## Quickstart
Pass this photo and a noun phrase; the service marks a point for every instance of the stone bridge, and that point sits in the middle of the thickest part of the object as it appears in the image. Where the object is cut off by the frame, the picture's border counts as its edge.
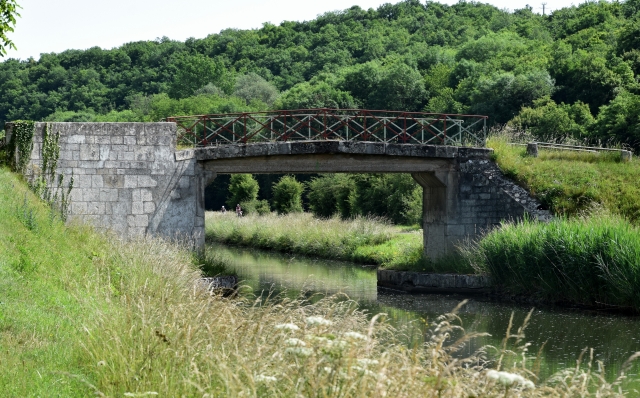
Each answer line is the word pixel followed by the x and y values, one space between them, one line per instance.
pixel 129 178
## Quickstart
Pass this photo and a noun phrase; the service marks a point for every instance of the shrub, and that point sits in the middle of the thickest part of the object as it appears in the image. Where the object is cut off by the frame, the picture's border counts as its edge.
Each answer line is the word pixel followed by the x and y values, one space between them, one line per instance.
pixel 287 195
pixel 242 188
pixel 260 207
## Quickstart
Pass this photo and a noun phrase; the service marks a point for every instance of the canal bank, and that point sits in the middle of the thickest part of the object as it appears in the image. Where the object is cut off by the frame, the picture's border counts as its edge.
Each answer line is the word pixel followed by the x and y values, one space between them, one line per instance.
pixel 558 334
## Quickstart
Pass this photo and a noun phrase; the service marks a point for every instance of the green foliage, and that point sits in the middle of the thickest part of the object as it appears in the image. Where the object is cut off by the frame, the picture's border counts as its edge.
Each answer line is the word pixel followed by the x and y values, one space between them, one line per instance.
pixel 21 144
pixel 251 207
pixel 8 14
pixel 593 261
pixel 619 121
pixel 396 197
pixel 252 87
pixel 548 121
pixel 242 188
pixel 287 195
pixel 320 95
pixel 464 58
pixel 193 71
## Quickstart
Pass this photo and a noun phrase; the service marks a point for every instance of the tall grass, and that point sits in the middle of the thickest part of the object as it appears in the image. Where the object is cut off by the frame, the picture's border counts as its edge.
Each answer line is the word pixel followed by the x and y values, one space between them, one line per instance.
pixel 361 240
pixel 593 260
pixel 86 314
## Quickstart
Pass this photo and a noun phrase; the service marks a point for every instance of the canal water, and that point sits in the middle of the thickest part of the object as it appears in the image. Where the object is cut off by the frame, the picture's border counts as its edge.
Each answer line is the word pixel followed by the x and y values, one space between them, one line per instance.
pixel 559 334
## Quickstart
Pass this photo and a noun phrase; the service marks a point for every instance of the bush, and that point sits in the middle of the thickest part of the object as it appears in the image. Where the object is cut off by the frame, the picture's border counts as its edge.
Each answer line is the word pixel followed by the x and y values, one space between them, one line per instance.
pixel 396 197
pixel 242 188
pixel 287 195
pixel 260 207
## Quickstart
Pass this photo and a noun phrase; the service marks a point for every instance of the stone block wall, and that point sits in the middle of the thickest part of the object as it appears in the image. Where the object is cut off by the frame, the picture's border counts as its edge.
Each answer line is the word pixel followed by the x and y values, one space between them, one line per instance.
pixel 127 179
pixel 468 200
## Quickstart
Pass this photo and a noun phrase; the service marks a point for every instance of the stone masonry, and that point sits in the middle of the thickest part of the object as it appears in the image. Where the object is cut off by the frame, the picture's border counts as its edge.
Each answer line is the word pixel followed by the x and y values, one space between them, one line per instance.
pixel 126 178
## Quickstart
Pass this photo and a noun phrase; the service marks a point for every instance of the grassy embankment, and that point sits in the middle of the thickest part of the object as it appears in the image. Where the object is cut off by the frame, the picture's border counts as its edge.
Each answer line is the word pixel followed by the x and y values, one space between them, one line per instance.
pixel 361 240
pixel 86 314
pixel 591 253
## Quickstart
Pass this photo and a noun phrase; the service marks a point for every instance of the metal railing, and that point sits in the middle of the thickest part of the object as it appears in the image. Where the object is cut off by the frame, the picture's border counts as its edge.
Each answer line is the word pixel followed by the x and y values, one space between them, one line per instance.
pixel 332 124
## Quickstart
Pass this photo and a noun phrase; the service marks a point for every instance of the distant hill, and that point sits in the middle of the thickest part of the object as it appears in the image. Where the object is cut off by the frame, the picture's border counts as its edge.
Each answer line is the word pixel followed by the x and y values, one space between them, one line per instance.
pixel 573 73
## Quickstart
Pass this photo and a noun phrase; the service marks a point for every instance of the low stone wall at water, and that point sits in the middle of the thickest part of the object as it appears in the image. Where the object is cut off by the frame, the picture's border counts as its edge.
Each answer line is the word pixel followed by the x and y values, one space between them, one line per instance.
pixel 416 282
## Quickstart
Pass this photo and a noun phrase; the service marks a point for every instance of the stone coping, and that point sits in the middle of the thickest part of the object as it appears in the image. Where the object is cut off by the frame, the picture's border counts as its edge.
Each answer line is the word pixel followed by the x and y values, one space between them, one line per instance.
pixel 332 147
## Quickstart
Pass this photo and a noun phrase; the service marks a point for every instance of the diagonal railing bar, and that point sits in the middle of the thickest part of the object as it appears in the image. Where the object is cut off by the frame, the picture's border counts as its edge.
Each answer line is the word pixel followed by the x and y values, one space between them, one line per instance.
pixel 331 124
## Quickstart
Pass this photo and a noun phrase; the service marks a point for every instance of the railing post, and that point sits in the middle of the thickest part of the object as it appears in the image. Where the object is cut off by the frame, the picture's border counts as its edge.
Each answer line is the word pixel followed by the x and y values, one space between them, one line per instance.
pixel 347 126
pixel 244 125
pixel 385 121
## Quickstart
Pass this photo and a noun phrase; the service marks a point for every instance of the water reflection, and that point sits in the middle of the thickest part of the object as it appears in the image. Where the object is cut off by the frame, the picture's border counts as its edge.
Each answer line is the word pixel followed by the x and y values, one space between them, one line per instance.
pixel 562 333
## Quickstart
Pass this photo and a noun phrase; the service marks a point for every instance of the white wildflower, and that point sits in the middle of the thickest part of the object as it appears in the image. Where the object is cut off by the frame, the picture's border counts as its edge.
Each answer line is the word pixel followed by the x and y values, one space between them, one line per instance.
pixel 293 342
pixel 318 339
pixel 102 363
pixel 340 344
pixel 287 326
pixel 509 379
pixel 318 320
pixel 367 362
pixel 265 379
pixel 356 336
pixel 299 351
pixel 364 372
pixel 327 369
pixel 140 394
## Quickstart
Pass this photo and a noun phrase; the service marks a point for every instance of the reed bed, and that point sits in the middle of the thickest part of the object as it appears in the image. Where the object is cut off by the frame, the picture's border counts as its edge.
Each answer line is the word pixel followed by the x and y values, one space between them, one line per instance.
pixel 591 260
pixel 362 240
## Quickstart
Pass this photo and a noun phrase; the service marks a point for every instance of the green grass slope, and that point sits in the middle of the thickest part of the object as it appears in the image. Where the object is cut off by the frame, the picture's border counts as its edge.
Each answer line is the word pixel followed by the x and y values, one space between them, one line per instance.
pixel 570 183
pixel 41 310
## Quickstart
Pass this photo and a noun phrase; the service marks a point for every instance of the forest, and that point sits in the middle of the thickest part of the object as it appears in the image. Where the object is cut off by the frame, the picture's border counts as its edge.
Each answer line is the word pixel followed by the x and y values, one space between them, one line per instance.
pixel 571 74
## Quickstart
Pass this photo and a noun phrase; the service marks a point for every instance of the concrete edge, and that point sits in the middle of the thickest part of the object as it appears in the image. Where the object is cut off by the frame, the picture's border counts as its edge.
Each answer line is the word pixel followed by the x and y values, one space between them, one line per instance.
pixel 418 282
pixel 338 147
pixel 185 154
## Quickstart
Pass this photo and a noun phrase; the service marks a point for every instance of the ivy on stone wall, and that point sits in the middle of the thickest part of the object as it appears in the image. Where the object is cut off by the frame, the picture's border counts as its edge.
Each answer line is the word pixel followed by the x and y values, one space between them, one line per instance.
pixel 44 182
pixel 50 152
pixel 21 144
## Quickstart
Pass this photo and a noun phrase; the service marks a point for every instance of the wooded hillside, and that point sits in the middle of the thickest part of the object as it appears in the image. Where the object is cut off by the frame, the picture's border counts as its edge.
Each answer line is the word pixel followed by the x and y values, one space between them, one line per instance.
pixel 573 73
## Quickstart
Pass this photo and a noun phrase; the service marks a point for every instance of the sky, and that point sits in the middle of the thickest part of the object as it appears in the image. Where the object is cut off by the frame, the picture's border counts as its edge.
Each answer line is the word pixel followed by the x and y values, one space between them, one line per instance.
pixel 57 25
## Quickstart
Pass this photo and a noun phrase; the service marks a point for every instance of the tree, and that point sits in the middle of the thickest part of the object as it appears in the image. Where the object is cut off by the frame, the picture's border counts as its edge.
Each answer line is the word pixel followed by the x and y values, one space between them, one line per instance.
pixel 195 71
pixel 320 95
pixel 8 14
pixel 548 121
pixel 251 87
pixel 287 195
pixel 242 188
pixel 619 121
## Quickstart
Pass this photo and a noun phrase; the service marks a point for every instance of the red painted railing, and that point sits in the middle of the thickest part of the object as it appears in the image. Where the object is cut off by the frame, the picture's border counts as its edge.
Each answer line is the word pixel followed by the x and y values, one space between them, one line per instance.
pixel 332 124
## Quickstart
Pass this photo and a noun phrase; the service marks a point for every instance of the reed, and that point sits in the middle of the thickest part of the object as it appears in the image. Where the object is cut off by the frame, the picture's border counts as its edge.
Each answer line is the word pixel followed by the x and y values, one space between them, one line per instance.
pixel 591 260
